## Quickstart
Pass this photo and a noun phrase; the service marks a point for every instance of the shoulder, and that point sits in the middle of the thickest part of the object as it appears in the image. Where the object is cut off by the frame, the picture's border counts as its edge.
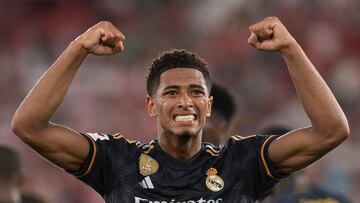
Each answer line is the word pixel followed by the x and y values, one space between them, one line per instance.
pixel 147 147
pixel 251 140
pixel 241 138
pixel 98 137
pixel 236 144
pixel 107 142
pixel 252 145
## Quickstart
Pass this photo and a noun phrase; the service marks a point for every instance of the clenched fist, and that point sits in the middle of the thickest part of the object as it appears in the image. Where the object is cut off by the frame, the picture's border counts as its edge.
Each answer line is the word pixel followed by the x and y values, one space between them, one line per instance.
pixel 102 39
pixel 270 35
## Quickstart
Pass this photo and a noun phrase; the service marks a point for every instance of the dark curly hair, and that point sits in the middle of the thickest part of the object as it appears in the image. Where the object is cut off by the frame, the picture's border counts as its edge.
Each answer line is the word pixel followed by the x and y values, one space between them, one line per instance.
pixel 175 59
pixel 223 102
pixel 10 166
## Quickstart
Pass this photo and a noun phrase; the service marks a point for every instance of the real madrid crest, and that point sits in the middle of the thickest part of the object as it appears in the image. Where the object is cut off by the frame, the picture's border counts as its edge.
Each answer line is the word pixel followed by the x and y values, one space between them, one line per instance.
pixel 147 165
pixel 213 181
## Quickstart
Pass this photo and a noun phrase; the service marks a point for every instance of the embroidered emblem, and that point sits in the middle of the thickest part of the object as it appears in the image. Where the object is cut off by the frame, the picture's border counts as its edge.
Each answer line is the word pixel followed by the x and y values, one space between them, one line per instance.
pixel 213 181
pixel 147 165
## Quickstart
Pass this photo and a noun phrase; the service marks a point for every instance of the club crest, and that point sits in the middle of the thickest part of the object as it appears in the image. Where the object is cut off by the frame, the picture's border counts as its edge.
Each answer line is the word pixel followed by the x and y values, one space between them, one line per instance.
pixel 213 181
pixel 147 165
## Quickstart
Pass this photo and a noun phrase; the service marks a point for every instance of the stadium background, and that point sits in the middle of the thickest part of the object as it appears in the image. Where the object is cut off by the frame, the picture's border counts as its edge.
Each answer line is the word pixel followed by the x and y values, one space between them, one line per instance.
pixel 108 94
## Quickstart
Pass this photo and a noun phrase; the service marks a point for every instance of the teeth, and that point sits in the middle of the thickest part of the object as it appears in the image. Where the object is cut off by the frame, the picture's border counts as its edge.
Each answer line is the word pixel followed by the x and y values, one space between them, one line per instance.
pixel 185 118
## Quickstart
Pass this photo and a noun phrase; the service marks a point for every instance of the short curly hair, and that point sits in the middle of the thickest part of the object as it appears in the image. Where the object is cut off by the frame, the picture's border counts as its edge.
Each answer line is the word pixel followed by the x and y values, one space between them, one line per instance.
pixel 175 59
pixel 10 164
pixel 223 102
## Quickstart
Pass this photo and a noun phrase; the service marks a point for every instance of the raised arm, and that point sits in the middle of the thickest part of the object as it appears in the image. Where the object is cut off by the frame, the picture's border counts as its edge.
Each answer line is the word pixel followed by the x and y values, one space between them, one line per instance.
pixel 31 122
pixel 329 127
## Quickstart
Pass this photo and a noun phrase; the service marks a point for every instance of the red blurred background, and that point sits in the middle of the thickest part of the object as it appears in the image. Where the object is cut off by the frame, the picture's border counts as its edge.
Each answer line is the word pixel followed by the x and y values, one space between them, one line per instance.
pixel 108 94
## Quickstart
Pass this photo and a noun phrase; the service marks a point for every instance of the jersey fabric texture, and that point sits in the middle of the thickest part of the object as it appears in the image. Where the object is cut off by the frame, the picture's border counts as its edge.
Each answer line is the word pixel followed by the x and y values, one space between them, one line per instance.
pixel 121 170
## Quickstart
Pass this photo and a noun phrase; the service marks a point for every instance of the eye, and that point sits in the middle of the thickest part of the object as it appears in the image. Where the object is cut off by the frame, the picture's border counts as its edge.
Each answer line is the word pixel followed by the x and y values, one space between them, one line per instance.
pixel 197 92
pixel 171 93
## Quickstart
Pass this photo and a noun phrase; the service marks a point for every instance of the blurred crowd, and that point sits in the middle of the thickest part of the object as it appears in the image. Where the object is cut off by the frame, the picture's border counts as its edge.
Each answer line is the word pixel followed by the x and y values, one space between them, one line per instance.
pixel 108 94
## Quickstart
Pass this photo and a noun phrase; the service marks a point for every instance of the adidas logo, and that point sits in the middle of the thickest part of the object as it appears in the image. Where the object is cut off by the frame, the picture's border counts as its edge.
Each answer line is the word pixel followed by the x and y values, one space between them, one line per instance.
pixel 146 183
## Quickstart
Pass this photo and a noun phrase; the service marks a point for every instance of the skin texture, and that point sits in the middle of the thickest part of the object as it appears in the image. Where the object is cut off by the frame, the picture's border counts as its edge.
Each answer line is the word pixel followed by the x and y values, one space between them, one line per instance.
pixel 31 122
pixel 329 127
pixel 67 149
pixel 182 91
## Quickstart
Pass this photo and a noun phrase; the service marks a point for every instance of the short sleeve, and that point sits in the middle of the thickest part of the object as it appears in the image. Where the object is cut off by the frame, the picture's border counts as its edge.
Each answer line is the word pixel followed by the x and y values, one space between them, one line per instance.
pixel 267 177
pixel 107 155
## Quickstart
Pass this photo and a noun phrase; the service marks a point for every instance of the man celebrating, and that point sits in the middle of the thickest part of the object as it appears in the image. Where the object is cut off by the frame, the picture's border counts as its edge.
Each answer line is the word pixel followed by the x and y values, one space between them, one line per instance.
pixel 178 167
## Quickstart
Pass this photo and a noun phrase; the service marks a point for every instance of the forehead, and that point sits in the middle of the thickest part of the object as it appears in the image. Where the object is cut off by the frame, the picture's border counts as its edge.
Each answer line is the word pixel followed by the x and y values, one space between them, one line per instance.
pixel 181 77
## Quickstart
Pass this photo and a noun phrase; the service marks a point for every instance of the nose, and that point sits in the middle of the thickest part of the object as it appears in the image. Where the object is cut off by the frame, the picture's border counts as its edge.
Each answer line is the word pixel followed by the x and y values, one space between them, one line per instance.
pixel 185 101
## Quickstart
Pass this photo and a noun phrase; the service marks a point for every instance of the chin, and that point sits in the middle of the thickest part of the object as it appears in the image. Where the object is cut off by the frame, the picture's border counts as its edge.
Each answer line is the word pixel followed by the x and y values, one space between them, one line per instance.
pixel 187 133
pixel 183 132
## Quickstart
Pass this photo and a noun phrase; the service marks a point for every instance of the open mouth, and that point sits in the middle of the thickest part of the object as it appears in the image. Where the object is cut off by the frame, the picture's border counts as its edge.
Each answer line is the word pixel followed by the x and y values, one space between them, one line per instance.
pixel 184 118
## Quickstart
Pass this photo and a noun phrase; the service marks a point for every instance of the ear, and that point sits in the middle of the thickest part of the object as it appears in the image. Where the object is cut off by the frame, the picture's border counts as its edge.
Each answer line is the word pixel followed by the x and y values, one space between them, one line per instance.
pixel 209 105
pixel 150 103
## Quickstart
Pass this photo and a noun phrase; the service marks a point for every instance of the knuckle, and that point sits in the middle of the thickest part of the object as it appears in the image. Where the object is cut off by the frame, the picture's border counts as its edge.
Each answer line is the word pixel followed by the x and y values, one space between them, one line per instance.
pixel 102 22
pixel 271 18
pixel 274 18
pixel 253 27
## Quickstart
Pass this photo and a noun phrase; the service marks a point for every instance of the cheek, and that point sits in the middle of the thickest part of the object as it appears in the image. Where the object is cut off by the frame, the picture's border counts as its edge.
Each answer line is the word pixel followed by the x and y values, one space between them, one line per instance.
pixel 203 107
pixel 163 107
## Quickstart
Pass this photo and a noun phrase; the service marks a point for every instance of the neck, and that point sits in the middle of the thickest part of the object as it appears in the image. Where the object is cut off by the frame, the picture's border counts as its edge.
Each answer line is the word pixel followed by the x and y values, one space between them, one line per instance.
pixel 180 147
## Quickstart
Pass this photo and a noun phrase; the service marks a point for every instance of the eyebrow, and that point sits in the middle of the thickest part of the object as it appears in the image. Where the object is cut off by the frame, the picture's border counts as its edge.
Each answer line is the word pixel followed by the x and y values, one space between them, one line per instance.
pixel 178 87
pixel 197 86
pixel 172 87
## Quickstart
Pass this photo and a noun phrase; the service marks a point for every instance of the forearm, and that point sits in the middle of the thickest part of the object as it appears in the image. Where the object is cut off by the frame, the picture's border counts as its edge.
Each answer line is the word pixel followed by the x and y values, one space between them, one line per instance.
pixel 317 99
pixel 329 127
pixel 45 97
pixel 31 123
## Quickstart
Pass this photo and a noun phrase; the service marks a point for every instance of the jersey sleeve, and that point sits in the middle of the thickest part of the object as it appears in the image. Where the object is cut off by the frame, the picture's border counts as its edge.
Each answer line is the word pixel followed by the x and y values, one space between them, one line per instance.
pixel 267 175
pixel 252 160
pixel 108 155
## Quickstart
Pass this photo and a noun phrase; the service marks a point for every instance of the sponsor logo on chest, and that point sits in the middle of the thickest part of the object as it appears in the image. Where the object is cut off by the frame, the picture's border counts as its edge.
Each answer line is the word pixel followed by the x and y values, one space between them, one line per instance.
pixel 201 200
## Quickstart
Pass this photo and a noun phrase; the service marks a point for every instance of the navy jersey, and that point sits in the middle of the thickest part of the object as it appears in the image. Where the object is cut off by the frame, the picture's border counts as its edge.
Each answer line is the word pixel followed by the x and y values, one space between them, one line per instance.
pixel 307 194
pixel 126 171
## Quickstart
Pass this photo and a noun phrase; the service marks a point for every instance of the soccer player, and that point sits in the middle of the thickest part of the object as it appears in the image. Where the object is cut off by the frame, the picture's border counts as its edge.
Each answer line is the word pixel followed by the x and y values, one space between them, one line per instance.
pixel 11 179
pixel 178 167
pixel 296 188
pixel 222 113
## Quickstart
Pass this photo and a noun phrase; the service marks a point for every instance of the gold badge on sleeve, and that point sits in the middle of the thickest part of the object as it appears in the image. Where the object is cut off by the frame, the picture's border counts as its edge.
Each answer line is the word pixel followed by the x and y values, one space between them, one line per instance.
pixel 147 165
pixel 213 181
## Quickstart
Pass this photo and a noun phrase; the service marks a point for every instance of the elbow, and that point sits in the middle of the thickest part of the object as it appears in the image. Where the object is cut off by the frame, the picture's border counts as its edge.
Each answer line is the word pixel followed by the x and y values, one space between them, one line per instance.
pixel 334 133
pixel 344 132
pixel 339 132
pixel 20 127
pixel 17 127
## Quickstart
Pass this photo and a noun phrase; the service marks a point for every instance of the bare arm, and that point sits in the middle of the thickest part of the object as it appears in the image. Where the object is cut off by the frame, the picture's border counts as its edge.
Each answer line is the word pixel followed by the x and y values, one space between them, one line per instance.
pixel 31 122
pixel 329 127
